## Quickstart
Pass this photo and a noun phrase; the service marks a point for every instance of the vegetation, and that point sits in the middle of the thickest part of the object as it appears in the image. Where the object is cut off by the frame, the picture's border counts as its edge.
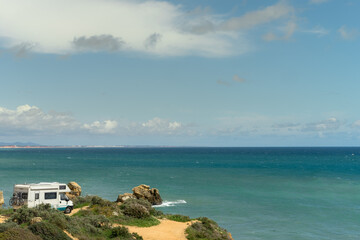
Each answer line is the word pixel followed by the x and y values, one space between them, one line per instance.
pixel 206 229
pixel 48 231
pixel 96 222
pixel 123 233
pixel 178 218
pixel 18 233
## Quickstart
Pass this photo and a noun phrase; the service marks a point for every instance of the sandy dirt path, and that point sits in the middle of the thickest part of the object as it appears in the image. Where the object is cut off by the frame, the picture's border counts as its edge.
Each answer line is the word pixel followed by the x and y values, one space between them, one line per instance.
pixel 70 236
pixel 166 230
pixel 3 219
pixel 77 210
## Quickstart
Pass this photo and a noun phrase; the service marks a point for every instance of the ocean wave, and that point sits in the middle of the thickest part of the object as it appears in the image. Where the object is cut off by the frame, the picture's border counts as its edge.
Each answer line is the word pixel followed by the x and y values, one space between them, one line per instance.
pixel 171 203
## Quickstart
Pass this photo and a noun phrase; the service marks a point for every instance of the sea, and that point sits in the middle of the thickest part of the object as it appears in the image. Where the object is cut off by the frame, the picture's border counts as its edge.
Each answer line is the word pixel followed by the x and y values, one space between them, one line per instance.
pixel 254 193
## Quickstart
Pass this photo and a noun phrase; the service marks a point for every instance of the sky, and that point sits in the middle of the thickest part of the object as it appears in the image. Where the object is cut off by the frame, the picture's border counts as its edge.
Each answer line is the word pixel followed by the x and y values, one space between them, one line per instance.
pixel 180 72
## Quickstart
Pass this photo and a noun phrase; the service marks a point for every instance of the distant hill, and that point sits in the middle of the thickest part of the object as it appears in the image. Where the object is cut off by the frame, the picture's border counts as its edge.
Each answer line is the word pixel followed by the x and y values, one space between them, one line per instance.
pixel 19 144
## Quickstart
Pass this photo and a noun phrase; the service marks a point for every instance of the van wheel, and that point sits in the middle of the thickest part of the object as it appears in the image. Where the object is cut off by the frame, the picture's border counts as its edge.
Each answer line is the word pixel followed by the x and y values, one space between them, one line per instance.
pixel 68 210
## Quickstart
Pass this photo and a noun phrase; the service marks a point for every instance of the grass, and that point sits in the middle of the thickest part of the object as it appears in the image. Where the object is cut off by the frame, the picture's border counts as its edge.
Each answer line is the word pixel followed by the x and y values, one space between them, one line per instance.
pixel 138 222
pixel 6 211
pixel 80 205
pixel 178 218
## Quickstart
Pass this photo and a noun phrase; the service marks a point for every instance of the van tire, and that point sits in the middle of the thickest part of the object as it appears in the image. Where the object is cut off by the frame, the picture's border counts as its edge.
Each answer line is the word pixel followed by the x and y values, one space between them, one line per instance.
pixel 67 210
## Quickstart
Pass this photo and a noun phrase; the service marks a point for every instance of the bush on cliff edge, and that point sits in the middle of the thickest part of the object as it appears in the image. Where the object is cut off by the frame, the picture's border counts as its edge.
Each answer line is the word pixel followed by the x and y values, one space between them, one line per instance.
pixel 206 229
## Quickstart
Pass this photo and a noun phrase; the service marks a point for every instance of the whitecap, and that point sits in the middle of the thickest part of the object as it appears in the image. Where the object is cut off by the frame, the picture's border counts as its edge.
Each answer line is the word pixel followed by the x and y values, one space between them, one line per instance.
pixel 171 203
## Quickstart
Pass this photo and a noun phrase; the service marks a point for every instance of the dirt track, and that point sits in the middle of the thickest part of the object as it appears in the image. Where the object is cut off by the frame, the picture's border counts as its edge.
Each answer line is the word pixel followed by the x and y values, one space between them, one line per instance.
pixel 166 230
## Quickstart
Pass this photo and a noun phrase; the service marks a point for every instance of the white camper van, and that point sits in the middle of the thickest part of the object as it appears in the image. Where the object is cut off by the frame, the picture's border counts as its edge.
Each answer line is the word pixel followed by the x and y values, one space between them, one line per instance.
pixel 42 193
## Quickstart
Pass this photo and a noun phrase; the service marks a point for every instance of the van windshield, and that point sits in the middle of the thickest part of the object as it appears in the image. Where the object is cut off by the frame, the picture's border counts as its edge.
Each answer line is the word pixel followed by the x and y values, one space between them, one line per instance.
pixel 64 197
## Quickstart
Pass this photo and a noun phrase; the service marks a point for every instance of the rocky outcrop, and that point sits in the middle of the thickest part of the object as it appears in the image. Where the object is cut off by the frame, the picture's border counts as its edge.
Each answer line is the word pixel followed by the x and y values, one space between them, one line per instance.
pixel 35 220
pixel 123 197
pixel 144 192
pixel 75 190
pixel 1 199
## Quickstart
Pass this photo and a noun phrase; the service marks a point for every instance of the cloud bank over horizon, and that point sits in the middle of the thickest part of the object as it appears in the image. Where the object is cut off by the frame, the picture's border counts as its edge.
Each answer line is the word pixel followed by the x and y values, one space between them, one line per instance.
pixel 28 120
pixel 31 120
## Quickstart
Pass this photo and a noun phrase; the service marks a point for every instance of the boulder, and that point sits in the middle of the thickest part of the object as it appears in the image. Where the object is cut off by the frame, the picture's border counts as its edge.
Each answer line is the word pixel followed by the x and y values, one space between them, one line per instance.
pixel 75 190
pixel 1 198
pixel 123 197
pixel 35 220
pixel 144 192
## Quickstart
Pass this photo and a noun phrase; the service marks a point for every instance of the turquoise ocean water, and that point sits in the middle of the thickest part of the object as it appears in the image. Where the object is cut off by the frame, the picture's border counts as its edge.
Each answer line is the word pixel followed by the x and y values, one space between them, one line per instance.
pixel 255 193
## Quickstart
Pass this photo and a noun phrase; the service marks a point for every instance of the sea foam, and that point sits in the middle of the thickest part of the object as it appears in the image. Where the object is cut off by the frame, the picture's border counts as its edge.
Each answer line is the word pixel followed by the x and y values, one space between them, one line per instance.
pixel 171 203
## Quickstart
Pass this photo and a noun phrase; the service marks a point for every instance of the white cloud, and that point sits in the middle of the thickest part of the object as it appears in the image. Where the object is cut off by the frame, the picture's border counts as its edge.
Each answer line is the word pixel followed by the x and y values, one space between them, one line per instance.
pixel 251 19
pixel 348 34
pixel 154 27
pixel 285 32
pixel 107 126
pixel 356 124
pixel 161 126
pixel 318 30
pixel 32 119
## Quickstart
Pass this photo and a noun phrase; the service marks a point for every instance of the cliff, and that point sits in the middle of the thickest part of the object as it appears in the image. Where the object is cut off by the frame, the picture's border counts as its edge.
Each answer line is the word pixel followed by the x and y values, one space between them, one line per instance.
pixel 97 218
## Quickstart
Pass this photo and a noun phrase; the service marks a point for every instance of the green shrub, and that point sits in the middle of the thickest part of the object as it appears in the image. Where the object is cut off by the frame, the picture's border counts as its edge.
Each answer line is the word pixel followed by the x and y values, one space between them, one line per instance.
pixel 95 200
pixel 104 210
pixel 48 231
pixel 138 222
pixel 24 214
pixel 120 232
pixel 178 218
pixel 206 229
pixel 156 213
pixel 81 201
pixel 137 236
pixel 142 202
pixel 59 220
pixel 137 208
pixel 6 226
pixel 88 225
pixel 18 233
pixel 123 233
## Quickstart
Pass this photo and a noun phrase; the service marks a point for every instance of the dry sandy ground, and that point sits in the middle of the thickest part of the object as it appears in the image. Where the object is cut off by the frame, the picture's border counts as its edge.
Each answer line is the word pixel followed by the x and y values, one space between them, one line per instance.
pixel 3 219
pixel 166 230
pixel 77 209
pixel 70 236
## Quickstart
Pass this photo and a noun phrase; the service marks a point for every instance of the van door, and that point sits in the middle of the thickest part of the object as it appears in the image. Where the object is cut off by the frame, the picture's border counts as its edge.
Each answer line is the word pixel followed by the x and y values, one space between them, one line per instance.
pixel 63 202
pixel 36 198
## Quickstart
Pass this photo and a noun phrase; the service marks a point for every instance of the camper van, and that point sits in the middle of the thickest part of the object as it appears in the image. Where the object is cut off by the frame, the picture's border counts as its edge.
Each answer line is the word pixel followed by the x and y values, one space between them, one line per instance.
pixel 42 193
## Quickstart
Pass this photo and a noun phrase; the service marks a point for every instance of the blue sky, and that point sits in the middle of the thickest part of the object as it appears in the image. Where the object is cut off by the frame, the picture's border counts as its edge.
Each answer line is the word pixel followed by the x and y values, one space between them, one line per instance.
pixel 181 73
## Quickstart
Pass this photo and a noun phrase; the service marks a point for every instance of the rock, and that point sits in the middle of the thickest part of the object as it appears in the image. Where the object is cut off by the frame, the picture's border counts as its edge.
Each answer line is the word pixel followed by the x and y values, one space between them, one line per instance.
pixel 35 220
pixel 1 198
pixel 115 213
pixel 144 192
pixel 230 237
pixel 75 190
pixel 123 197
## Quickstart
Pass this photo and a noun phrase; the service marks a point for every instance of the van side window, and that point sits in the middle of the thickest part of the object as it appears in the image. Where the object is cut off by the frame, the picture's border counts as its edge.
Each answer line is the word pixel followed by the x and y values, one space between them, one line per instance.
pixel 62 187
pixel 50 195
pixel 36 196
pixel 24 195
